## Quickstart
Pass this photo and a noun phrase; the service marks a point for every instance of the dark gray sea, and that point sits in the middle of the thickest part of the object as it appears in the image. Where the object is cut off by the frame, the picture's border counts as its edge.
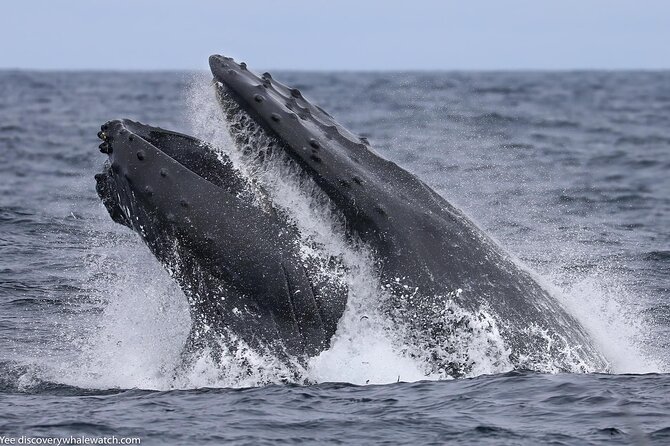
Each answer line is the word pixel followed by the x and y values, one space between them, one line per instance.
pixel 568 171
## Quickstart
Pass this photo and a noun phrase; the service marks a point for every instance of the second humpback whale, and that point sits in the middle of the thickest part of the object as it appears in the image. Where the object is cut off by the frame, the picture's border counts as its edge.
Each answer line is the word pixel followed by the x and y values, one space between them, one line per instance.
pixel 242 262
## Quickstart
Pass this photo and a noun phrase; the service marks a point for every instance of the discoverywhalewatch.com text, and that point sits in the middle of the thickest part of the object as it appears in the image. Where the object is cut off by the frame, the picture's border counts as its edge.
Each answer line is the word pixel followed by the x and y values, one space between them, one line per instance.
pixel 57 441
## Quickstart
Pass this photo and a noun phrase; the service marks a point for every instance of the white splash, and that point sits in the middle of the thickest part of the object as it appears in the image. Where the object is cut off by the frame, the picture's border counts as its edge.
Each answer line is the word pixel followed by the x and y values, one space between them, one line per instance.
pixel 609 312
pixel 137 339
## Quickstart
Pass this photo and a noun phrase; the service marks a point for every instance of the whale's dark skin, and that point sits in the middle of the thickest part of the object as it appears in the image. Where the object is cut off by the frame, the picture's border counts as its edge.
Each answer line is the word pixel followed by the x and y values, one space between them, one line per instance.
pixel 415 234
pixel 237 262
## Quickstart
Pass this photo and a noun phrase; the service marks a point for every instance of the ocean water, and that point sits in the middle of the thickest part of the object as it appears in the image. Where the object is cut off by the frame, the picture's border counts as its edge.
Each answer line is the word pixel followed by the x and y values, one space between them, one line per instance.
pixel 568 171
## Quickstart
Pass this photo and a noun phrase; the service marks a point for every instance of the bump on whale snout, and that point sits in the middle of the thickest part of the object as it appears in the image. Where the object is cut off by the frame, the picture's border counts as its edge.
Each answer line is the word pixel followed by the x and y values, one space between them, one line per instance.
pixel 156 171
pixel 222 66
pixel 133 146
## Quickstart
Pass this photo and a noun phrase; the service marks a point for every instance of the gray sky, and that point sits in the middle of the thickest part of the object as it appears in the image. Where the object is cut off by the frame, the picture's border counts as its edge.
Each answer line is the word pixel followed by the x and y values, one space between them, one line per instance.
pixel 336 34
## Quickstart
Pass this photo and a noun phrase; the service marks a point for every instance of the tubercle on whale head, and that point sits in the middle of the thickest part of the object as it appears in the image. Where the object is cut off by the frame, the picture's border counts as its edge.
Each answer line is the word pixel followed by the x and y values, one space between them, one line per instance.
pixel 142 158
pixel 335 158
pixel 276 105
pixel 140 184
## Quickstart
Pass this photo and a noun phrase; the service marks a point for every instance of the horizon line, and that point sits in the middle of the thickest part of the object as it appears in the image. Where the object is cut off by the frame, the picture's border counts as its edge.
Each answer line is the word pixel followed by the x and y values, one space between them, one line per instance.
pixel 340 70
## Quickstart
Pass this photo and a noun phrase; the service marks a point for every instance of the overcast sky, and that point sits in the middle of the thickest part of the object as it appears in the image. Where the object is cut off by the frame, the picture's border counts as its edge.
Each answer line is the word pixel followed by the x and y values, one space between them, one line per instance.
pixel 336 34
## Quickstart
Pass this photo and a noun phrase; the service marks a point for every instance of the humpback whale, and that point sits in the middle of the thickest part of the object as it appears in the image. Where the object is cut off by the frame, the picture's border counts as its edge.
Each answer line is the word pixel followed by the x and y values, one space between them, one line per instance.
pixel 239 258
pixel 237 262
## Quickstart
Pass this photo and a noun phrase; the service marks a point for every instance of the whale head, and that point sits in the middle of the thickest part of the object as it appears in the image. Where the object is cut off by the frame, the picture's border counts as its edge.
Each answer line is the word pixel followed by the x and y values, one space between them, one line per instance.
pixel 237 261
